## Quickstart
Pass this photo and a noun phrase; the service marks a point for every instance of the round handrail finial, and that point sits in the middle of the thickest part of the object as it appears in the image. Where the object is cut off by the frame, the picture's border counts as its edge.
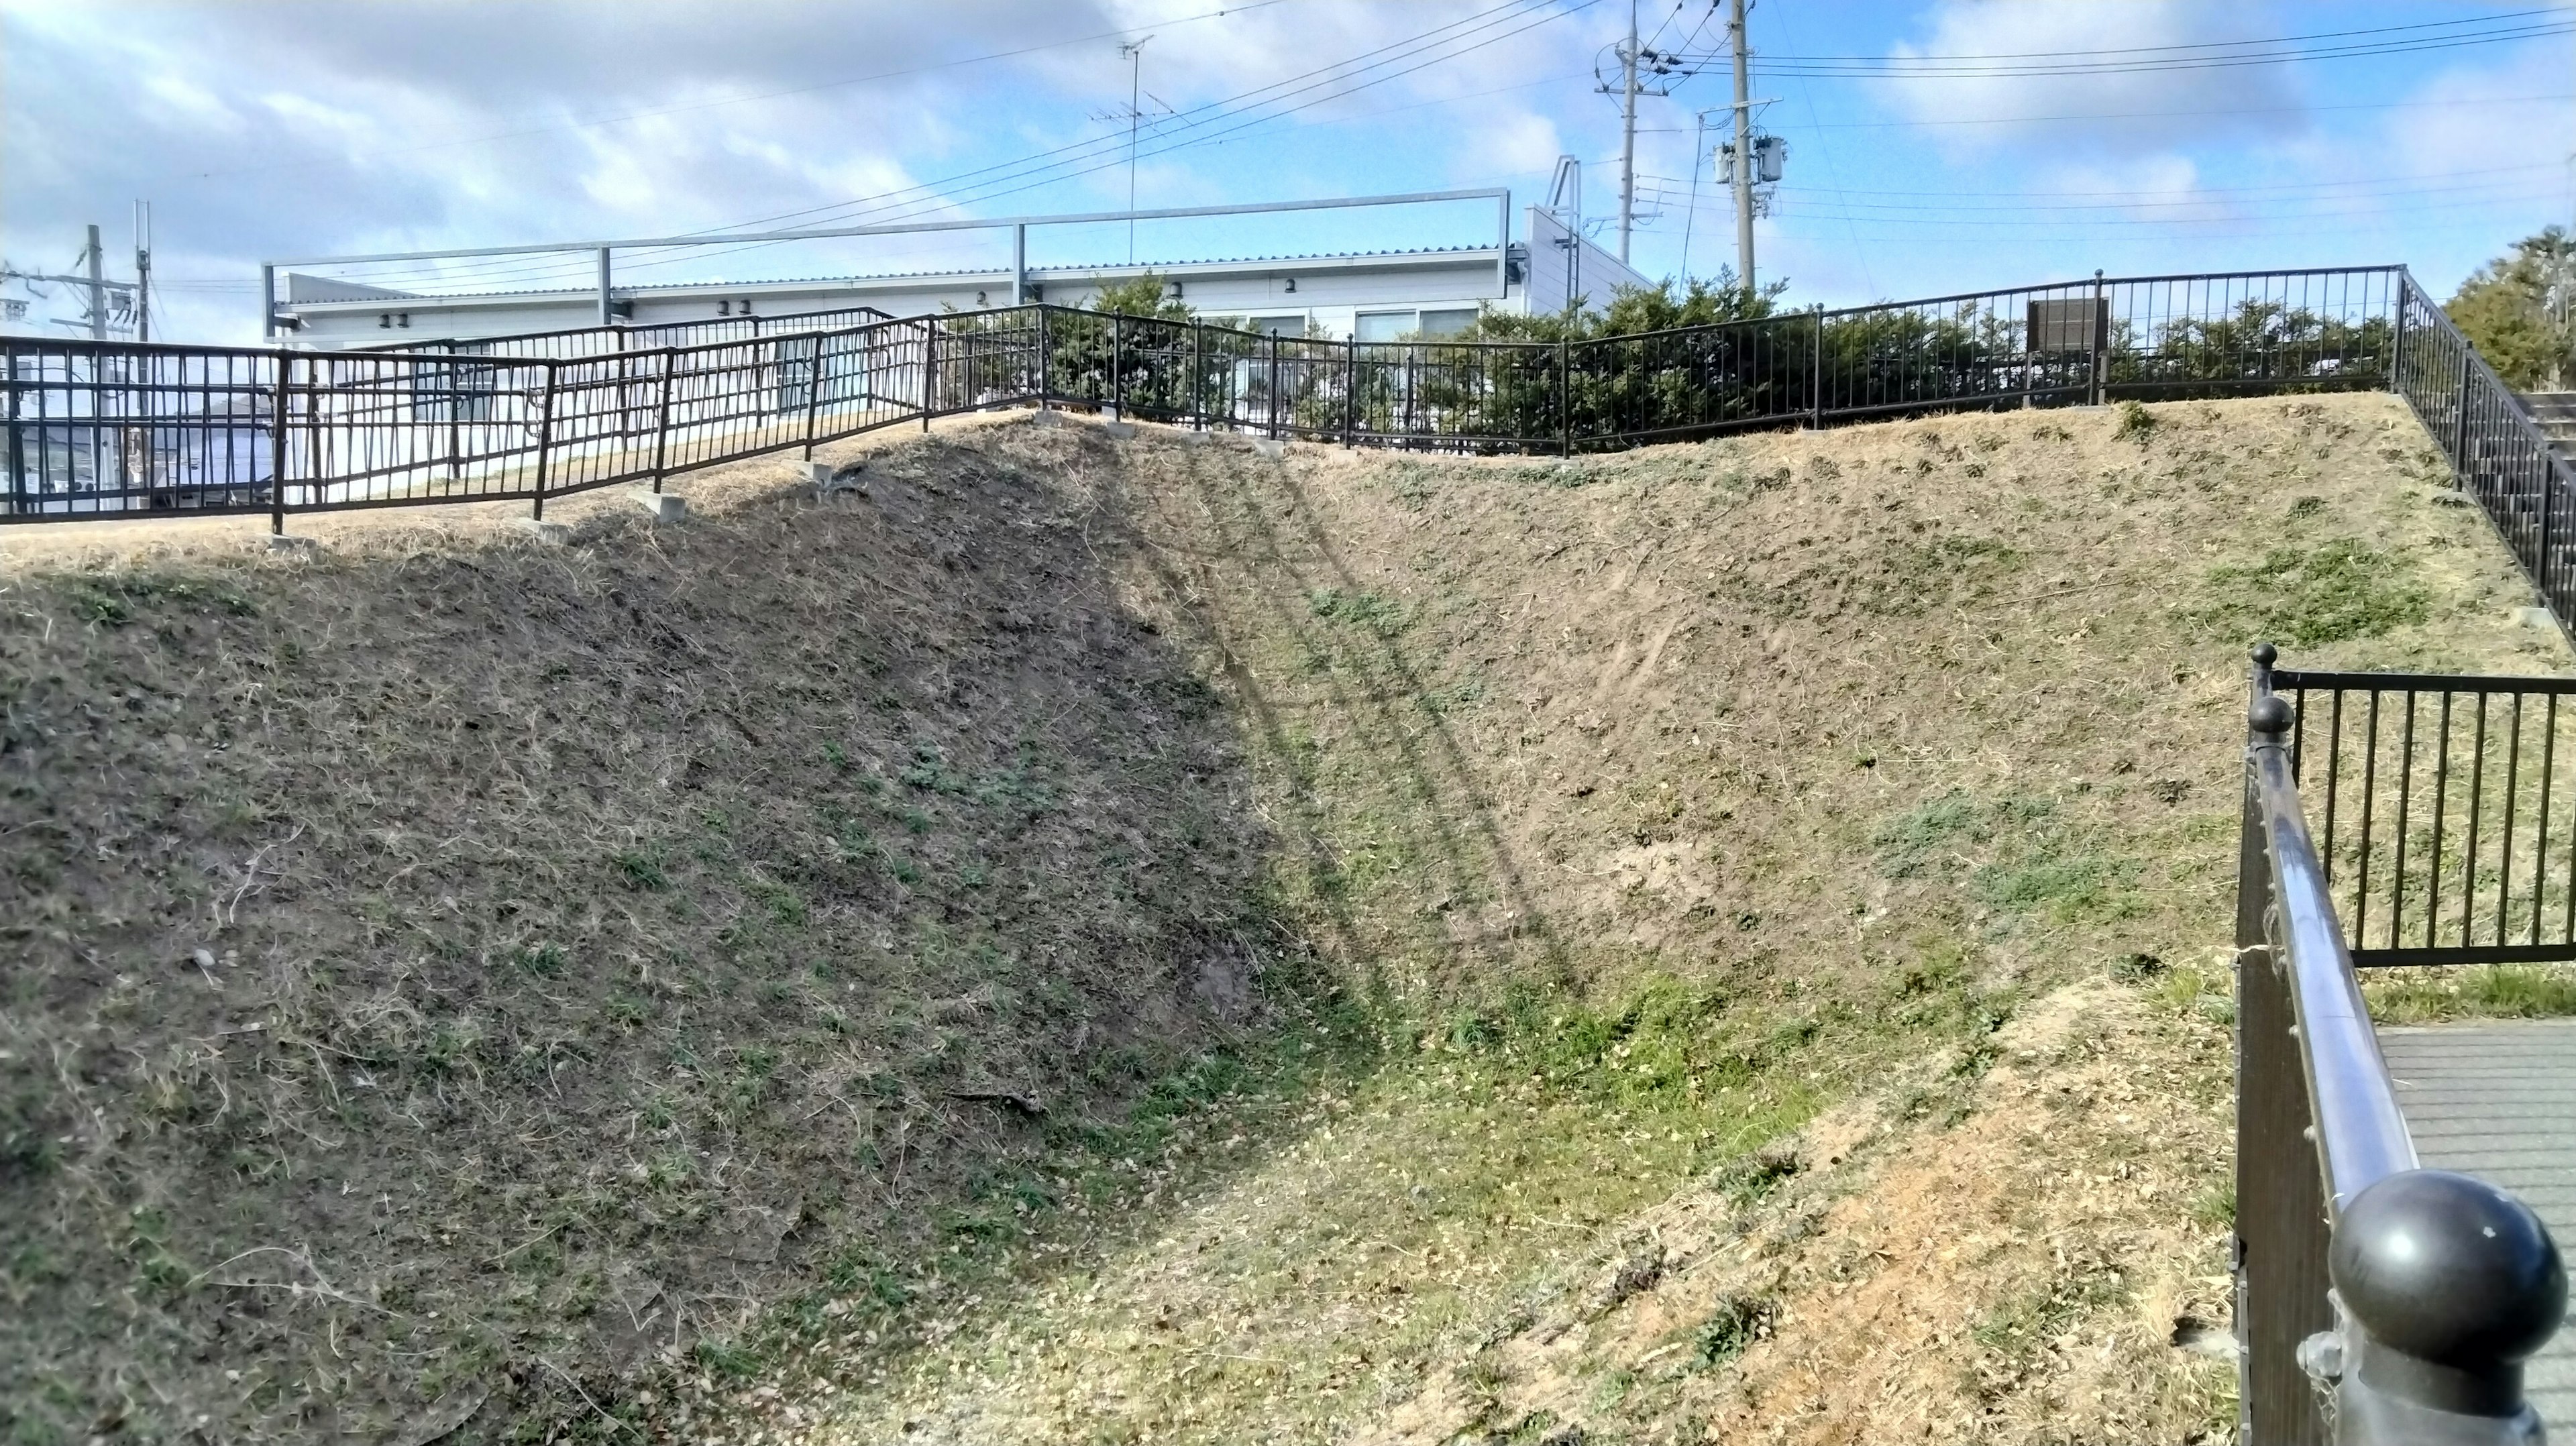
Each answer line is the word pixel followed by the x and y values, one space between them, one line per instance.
pixel 2447 1268
pixel 2271 714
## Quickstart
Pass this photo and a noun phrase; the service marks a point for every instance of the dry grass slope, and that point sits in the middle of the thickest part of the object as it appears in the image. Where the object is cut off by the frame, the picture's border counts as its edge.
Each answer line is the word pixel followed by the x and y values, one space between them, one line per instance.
pixel 1125 943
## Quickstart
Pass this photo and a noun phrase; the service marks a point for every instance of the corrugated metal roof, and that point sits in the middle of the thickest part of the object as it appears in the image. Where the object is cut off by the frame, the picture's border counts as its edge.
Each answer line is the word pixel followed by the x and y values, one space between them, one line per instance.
pixel 1039 271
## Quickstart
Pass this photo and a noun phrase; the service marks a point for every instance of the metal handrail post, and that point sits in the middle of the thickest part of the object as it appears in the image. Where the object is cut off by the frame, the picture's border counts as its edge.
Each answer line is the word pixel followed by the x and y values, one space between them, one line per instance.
pixel 2397 333
pixel 1272 410
pixel 1118 365
pixel 929 371
pixel 545 442
pixel 1198 375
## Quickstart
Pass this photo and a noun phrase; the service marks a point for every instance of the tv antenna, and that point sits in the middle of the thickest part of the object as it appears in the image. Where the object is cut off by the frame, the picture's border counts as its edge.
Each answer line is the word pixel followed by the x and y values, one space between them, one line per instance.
pixel 1133 113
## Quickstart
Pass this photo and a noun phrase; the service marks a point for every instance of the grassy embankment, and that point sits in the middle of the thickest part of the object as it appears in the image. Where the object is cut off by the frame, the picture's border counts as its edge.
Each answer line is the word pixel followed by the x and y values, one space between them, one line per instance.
pixel 1095 942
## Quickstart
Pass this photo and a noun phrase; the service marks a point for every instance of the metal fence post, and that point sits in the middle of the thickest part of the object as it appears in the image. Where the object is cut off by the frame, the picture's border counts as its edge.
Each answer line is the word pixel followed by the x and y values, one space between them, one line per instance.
pixel 2099 324
pixel 2397 336
pixel 2280 1245
pixel 929 371
pixel 662 419
pixel 1351 392
pixel 1046 360
pixel 545 440
pixel 1816 378
pixel 1273 409
pixel 813 391
pixel 2460 418
pixel 1118 365
pixel 278 411
pixel 17 446
pixel 1564 401
pixel 1198 375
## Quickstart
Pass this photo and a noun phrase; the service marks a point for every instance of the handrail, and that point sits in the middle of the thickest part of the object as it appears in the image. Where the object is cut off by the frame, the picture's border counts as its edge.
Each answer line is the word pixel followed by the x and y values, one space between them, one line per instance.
pixel 2378 1303
pixel 2361 1134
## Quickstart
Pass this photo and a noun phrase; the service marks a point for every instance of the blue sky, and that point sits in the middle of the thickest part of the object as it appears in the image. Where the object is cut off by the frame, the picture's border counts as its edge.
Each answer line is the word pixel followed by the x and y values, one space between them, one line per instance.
pixel 301 128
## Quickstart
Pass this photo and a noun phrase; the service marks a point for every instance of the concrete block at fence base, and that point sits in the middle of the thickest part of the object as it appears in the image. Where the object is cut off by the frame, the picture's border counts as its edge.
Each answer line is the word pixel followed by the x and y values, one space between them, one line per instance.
pixel 553 532
pixel 1266 447
pixel 828 479
pixel 1120 430
pixel 1197 439
pixel 663 506
pixel 289 543
pixel 1046 417
pixel 2535 618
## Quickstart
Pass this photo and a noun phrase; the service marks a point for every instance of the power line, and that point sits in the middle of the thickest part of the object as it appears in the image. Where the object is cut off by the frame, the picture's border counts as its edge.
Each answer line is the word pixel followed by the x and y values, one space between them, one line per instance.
pixel 2147 114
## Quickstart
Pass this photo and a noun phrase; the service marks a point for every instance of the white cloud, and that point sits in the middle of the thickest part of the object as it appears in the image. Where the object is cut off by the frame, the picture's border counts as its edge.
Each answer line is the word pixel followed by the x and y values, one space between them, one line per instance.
pixel 2205 102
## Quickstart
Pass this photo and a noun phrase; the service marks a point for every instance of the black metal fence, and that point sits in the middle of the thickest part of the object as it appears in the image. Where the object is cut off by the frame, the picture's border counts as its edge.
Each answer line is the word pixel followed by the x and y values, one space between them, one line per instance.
pixel 2445 811
pixel 99 429
pixel 2498 451
pixel 2379 1302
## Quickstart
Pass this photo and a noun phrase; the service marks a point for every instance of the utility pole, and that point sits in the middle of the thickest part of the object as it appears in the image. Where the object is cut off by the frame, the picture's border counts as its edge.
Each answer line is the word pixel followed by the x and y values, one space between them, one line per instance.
pixel 1743 148
pixel 97 288
pixel 143 271
pixel 1628 129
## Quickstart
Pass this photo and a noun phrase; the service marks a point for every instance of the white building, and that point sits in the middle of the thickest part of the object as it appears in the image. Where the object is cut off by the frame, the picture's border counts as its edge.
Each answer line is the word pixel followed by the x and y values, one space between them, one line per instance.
pixel 1372 295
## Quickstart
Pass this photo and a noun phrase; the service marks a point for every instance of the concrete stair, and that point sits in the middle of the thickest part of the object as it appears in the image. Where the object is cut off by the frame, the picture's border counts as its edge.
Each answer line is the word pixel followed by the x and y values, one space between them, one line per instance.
pixel 2556 414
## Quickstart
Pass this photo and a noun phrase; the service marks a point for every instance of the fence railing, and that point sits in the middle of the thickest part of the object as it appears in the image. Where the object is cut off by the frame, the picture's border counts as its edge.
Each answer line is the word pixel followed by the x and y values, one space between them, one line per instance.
pixel 2377 1302
pixel 99 429
pixel 2499 453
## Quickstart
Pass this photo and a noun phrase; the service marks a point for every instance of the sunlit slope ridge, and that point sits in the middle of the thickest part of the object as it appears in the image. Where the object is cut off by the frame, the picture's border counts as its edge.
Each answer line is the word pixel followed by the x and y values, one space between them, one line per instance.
pixel 1657 802
pixel 1130 941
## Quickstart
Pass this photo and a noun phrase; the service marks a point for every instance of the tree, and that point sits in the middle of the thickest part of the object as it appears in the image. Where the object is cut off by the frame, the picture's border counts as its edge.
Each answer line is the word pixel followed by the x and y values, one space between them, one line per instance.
pixel 1142 296
pixel 2516 311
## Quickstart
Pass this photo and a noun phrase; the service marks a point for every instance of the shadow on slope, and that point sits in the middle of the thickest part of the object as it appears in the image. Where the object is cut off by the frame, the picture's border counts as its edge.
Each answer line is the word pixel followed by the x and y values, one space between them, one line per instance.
pixel 444 973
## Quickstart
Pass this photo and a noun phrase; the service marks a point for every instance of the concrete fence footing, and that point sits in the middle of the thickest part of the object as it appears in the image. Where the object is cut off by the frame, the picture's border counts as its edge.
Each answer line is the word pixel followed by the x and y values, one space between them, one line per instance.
pixel 662 506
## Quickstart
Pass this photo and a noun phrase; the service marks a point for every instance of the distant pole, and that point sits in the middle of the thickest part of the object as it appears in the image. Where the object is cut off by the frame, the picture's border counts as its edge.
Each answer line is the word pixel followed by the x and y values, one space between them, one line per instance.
pixel 1743 148
pixel 143 271
pixel 1135 57
pixel 1628 129
pixel 267 301
pixel 1699 159
pixel 607 307
pixel 97 288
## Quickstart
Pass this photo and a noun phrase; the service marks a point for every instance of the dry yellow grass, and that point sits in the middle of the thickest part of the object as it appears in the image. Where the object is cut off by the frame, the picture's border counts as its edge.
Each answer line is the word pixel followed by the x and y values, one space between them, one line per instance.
pixel 1434 885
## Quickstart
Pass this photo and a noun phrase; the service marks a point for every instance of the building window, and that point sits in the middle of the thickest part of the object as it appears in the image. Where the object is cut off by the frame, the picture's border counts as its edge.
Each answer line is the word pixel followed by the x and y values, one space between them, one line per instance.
pixel 1280 325
pixel 1439 325
pixel 1383 325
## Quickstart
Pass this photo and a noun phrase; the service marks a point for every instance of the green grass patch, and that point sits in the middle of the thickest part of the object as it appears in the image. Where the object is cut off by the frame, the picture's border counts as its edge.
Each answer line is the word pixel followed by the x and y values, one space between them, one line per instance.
pixel 2330 594
pixel 2486 991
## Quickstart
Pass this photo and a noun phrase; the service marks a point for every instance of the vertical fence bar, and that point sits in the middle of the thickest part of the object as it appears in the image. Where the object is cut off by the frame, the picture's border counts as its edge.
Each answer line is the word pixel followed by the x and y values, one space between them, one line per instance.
pixel 2460 419
pixel 929 371
pixel 1118 365
pixel 1198 375
pixel 1271 411
pixel 1046 360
